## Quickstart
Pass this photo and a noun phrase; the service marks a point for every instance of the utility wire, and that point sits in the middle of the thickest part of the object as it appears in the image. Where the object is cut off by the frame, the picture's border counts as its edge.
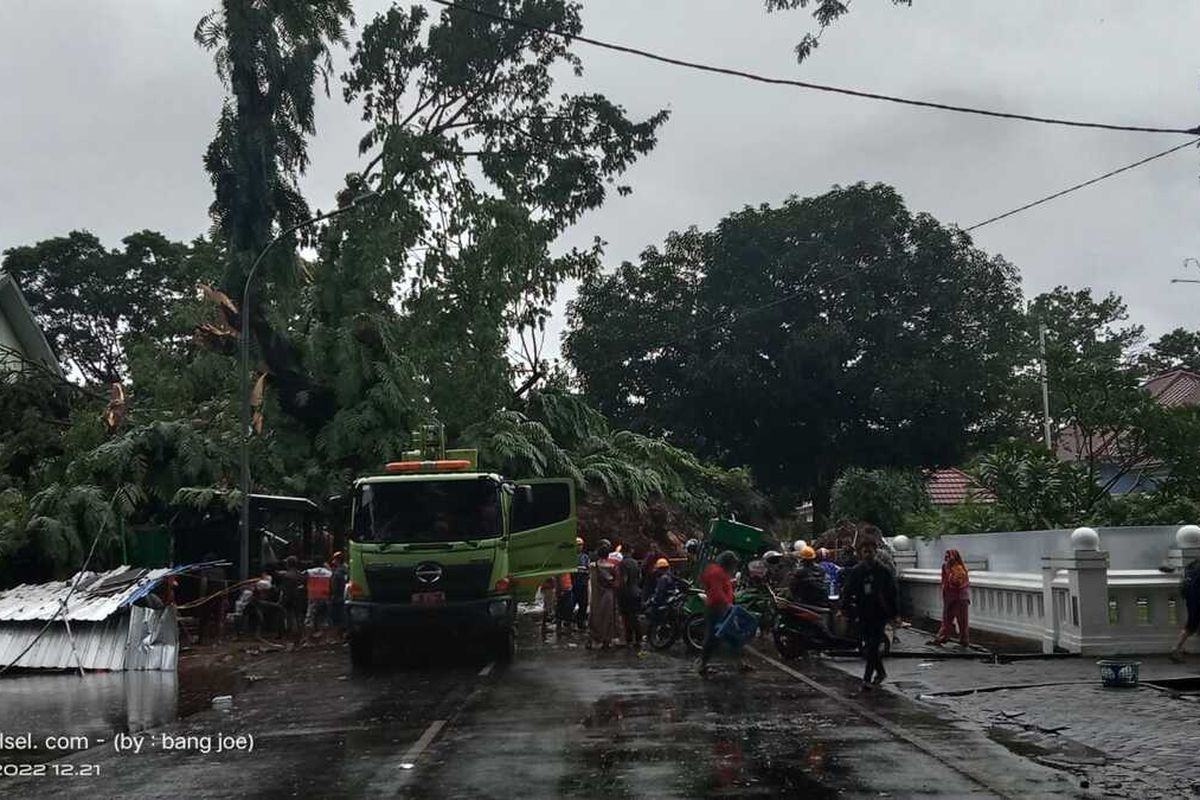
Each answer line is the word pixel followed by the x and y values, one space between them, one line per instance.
pixel 1078 186
pixel 791 296
pixel 820 87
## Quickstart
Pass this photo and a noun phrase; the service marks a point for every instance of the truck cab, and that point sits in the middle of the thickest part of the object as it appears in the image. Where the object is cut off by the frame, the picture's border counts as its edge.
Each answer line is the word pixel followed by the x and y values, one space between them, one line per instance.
pixel 438 547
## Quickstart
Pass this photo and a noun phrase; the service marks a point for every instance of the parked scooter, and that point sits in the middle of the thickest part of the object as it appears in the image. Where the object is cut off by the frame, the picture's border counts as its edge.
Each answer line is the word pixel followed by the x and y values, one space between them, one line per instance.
pixel 801 629
pixel 667 622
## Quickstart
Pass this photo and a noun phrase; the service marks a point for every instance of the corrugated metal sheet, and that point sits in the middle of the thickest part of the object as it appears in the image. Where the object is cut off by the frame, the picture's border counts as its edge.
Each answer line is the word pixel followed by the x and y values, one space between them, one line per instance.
pixel 153 640
pixel 108 631
pixel 97 597
pixel 137 639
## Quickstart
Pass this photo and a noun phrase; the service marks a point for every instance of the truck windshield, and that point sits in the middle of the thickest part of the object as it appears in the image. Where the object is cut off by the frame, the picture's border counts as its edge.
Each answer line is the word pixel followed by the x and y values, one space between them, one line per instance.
pixel 427 511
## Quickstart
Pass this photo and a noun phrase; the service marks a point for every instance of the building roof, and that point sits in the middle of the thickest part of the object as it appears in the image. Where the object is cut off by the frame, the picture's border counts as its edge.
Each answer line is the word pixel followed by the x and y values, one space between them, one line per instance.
pixel 950 486
pixel 1179 387
pixel 25 326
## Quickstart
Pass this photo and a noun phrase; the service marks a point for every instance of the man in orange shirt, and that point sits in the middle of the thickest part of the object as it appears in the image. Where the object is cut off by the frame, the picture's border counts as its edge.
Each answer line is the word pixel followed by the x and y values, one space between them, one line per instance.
pixel 717 580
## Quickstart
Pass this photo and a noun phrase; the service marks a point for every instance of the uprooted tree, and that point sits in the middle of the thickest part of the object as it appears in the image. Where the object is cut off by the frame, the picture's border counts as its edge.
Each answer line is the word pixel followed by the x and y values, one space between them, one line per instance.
pixel 476 163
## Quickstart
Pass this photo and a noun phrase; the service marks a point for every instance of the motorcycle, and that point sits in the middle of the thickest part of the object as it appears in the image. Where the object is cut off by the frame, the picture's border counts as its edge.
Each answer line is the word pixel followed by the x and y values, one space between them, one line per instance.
pixel 667 622
pixel 801 629
pixel 755 598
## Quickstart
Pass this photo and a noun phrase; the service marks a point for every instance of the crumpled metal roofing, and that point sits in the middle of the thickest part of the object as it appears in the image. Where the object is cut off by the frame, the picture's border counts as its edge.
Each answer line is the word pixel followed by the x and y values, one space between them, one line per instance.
pixel 97 597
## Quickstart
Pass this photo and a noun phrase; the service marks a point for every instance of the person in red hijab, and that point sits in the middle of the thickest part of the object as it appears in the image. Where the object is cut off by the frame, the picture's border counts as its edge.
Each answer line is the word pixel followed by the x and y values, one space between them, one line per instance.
pixel 956 597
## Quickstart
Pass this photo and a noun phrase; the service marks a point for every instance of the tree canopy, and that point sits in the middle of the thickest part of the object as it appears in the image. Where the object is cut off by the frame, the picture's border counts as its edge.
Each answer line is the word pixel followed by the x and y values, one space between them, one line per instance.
pixel 827 332
pixel 91 300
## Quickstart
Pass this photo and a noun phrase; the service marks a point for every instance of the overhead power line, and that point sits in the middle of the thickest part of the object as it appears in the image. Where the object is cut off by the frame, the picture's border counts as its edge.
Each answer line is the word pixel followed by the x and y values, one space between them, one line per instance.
pixel 819 87
pixel 1078 186
pixel 745 312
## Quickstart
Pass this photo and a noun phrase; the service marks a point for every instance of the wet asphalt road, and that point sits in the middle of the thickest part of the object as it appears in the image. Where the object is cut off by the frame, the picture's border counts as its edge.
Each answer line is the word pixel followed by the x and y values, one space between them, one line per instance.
pixel 560 722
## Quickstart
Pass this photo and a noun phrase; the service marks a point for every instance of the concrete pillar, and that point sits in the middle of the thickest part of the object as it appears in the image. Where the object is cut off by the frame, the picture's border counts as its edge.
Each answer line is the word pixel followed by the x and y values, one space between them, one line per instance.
pixel 1186 549
pixel 1085 629
pixel 904 554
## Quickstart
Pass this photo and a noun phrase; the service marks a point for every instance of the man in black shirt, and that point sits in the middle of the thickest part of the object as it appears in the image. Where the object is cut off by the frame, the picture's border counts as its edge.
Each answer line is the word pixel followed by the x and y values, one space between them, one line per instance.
pixel 870 595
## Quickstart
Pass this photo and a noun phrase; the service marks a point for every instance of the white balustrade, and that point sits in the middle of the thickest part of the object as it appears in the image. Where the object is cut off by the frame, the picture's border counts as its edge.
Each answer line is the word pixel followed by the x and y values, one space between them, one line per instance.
pixel 1076 603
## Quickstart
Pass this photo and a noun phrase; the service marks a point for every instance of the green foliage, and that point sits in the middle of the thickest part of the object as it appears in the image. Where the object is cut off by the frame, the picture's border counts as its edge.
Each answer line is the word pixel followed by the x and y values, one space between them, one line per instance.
pixel 1177 349
pixel 829 332
pixel 1033 486
pixel 881 497
pixel 90 301
pixel 559 435
pixel 65 520
pixel 1146 508
pixel 969 517
pixel 268 54
pixel 824 13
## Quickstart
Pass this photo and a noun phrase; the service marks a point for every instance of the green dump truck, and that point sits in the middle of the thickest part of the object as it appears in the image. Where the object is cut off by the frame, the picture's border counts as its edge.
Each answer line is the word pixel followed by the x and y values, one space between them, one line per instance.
pixel 439 547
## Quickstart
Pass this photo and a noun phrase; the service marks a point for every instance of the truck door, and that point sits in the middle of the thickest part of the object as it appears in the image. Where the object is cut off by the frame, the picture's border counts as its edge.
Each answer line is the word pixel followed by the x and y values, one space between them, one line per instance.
pixel 542 530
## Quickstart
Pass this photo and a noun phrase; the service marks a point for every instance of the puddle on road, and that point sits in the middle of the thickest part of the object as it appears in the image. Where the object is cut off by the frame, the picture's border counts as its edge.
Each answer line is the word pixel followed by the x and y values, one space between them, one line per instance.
pixel 99 705
pixel 96 705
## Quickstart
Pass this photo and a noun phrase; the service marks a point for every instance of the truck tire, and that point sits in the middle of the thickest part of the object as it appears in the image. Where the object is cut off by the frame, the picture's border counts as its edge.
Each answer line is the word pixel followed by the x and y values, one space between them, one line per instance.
pixel 362 651
pixel 505 649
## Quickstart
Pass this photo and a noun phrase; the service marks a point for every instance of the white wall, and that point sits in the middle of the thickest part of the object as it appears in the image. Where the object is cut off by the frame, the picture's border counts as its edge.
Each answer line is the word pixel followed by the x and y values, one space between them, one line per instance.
pixel 8 339
pixel 1022 551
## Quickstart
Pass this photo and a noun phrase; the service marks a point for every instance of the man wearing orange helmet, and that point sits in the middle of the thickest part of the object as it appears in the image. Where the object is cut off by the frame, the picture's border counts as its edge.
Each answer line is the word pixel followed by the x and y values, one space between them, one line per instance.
pixel 808 581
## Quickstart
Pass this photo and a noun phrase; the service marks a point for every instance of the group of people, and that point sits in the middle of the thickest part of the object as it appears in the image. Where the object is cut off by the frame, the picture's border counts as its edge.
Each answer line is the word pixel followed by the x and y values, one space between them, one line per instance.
pixel 604 595
pixel 291 601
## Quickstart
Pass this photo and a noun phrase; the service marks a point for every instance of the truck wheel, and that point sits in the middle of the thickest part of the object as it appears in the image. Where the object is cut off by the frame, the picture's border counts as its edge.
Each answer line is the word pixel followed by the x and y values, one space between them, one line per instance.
pixel 506 646
pixel 362 651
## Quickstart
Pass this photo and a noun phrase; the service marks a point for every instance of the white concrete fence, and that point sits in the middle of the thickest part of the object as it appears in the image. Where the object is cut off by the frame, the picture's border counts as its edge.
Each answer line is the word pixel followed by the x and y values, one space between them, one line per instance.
pixel 1075 603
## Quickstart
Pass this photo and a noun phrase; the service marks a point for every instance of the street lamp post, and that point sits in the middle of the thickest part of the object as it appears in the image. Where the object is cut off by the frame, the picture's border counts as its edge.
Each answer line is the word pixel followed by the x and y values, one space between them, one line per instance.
pixel 244 309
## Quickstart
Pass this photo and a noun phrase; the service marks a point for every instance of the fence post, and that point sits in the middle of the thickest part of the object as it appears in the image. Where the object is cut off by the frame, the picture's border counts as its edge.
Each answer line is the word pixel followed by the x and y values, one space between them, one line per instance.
pixel 904 554
pixel 1080 623
pixel 1186 549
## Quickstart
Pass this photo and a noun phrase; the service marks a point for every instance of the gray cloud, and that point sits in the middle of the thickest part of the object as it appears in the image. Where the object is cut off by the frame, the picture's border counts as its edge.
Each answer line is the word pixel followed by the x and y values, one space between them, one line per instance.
pixel 108 106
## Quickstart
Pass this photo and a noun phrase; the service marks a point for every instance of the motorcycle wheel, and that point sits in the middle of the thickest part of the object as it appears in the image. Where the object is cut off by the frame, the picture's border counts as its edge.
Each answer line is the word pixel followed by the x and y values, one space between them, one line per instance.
pixel 663 634
pixel 694 632
pixel 788 644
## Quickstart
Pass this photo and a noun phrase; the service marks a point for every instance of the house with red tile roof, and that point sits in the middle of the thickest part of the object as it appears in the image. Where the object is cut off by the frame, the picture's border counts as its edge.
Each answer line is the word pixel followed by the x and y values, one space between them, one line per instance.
pixel 950 486
pixel 1178 388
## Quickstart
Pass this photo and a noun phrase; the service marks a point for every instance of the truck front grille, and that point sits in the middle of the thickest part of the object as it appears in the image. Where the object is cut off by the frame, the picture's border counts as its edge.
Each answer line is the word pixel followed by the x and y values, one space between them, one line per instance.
pixel 396 583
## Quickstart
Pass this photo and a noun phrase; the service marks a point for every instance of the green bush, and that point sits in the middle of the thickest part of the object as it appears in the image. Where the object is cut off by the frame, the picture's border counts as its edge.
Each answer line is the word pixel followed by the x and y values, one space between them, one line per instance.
pixel 882 497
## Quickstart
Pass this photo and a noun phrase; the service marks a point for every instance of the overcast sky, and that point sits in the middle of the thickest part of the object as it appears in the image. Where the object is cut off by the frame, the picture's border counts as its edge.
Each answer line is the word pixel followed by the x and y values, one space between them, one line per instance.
pixel 107 107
